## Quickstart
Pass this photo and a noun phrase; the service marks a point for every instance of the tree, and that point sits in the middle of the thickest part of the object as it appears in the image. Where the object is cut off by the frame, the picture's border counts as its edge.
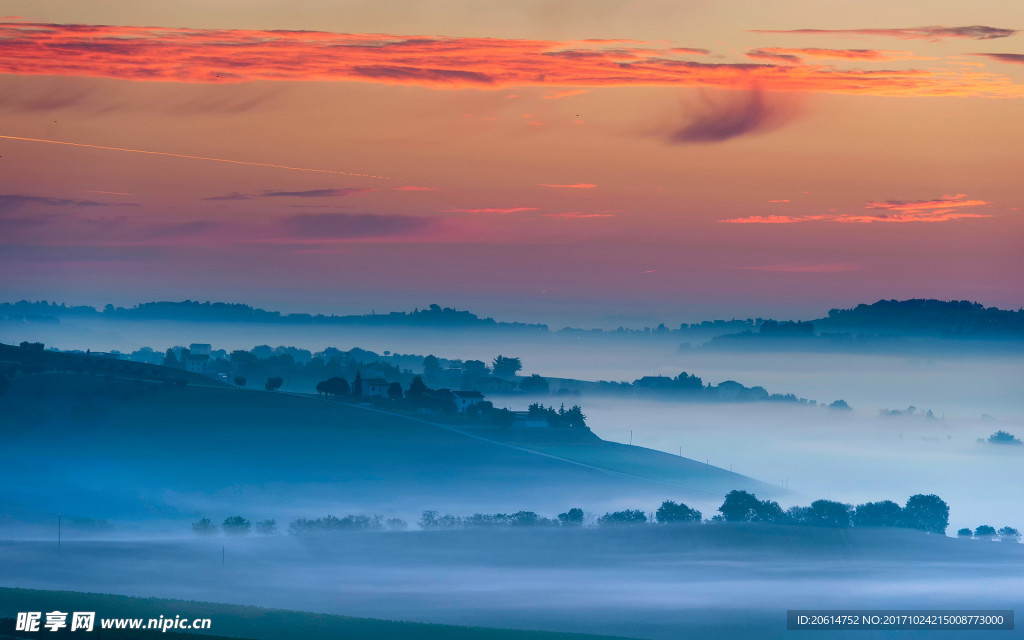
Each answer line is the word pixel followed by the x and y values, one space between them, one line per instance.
pixel 927 513
pixel 571 518
pixel 204 527
pixel 671 513
pixel 334 386
pixel 964 533
pixel 475 368
pixel 266 527
pixel 619 518
pixel 357 385
pixel 431 366
pixel 506 367
pixel 574 418
pixel 236 526
pixel 273 384
pixel 417 388
pixel 739 506
pixel 171 360
pixel 1009 534
pixel 840 405
pixel 829 513
pixel 395 391
pixel 534 384
pixel 1004 437
pixel 985 531
pixel 878 514
pixel 240 381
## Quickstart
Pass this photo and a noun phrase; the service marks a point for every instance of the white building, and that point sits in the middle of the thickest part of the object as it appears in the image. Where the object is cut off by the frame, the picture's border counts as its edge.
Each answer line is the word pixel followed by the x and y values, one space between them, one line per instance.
pixel 467 399
pixel 376 387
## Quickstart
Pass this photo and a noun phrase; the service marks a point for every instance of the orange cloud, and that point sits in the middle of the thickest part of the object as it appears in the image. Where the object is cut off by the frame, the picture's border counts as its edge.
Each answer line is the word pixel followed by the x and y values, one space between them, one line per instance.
pixel 577 215
pixel 582 185
pixel 501 210
pixel 944 209
pixel 773 219
pixel 777 201
pixel 221 55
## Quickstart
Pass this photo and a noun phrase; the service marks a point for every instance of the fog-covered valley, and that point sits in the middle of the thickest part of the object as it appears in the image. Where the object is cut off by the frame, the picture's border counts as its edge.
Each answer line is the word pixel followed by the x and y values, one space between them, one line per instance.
pixel 130 466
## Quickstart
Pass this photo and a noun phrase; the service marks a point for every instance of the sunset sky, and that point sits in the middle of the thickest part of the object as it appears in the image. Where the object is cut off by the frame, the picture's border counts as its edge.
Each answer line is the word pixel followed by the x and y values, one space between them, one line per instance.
pixel 583 163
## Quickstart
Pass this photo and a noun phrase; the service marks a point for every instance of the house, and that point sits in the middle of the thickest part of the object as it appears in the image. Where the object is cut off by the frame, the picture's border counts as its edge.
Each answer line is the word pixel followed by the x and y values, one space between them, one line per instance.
pixel 196 363
pixel 200 349
pixel 467 399
pixel 376 387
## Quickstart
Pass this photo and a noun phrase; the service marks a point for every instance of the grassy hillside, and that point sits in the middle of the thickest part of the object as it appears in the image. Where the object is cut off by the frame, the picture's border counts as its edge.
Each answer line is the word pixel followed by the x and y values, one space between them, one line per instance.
pixel 98 448
pixel 254 623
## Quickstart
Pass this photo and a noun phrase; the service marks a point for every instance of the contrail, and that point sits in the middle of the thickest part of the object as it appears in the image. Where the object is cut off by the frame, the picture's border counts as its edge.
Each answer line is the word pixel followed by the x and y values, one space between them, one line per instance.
pixel 182 155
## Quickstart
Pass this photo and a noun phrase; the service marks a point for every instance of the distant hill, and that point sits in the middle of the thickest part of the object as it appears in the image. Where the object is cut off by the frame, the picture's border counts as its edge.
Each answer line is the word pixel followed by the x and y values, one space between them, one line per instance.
pixel 888 325
pixel 195 311
pixel 951 319
pixel 100 448
pixel 915 318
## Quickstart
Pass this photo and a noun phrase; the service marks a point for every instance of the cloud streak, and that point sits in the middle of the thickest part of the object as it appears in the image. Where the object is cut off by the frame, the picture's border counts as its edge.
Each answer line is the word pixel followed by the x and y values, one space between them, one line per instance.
pixel 581 185
pixel 795 55
pixel 11 202
pixel 948 208
pixel 933 34
pixel 498 210
pixel 223 56
pixel 1014 58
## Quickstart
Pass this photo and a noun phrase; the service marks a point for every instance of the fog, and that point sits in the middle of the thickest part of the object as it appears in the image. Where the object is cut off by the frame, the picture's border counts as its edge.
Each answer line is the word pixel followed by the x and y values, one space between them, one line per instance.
pixel 953 383
pixel 150 479
pixel 710 581
pixel 822 453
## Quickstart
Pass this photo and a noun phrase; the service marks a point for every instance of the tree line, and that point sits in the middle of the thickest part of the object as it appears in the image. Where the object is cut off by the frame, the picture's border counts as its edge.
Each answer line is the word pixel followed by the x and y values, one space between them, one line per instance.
pixel 921 512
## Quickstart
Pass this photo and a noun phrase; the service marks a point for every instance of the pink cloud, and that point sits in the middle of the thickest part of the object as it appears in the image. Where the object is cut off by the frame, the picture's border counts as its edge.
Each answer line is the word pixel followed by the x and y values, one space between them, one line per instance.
pixel 581 185
pixel 413 188
pixel 577 215
pixel 501 210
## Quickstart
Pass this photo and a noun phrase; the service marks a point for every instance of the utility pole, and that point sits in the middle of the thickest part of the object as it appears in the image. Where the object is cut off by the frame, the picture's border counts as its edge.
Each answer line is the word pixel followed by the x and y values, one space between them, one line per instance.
pixel 222 556
pixel 631 437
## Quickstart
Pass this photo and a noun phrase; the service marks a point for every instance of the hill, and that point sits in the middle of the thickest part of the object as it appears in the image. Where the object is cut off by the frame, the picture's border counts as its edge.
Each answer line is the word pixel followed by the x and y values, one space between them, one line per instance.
pixel 106 448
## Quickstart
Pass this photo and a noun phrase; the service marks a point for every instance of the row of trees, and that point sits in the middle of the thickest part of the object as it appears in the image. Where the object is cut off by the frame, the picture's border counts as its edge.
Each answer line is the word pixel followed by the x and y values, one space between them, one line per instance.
pixel 572 417
pixel 922 512
pixel 988 532
pixel 234 526
pixel 239 526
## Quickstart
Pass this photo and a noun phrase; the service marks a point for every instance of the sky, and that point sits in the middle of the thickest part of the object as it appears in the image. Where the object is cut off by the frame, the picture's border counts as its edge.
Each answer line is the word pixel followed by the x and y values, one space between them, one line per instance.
pixel 587 162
